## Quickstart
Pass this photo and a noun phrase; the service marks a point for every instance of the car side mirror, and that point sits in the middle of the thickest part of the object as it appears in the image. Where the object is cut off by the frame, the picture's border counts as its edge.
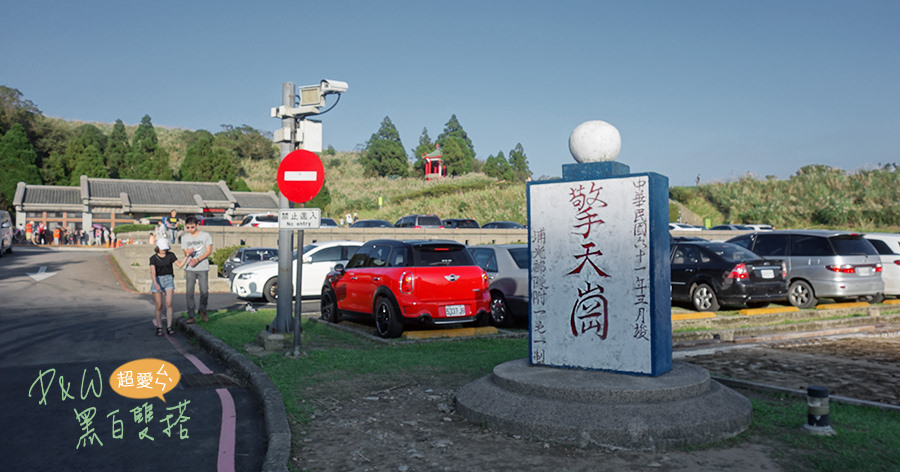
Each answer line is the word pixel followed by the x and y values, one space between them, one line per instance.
pixel 339 268
pixel 307 259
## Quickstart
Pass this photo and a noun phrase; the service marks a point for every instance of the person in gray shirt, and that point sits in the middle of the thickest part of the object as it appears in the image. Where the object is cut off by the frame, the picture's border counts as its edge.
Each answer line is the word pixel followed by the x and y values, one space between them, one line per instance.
pixel 197 246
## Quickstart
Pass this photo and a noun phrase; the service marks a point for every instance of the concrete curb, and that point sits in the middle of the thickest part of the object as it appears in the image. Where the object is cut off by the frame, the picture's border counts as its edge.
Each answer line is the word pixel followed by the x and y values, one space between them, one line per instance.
pixel 278 431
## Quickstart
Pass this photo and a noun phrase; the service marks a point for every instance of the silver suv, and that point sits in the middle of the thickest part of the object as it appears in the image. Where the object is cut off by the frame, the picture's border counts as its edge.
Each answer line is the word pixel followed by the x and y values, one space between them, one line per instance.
pixel 821 263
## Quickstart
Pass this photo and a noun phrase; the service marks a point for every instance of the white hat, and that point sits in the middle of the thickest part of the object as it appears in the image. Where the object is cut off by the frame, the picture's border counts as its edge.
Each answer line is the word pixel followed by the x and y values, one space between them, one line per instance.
pixel 162 244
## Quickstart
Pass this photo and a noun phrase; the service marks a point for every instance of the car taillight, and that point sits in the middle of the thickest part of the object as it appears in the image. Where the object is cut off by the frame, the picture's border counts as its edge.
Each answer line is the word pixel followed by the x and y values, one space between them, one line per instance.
pixel 739 272
pixel 842 269
pixel 897 262
pixel 783 270
pixel 879 268
pixel 407 282
pixel 485 281
pixel 256 225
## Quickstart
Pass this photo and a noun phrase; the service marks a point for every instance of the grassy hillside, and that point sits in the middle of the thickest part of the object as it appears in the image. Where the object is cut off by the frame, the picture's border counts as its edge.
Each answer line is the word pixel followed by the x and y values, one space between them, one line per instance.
pixel 471 196
pixel 817 196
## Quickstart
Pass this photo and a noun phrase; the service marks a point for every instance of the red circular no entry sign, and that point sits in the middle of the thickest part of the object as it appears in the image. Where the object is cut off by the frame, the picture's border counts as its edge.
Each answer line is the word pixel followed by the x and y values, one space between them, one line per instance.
pixel 300 176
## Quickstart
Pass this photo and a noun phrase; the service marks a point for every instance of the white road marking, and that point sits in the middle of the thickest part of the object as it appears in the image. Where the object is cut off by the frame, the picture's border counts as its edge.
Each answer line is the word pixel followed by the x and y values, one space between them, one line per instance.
pixel 41 274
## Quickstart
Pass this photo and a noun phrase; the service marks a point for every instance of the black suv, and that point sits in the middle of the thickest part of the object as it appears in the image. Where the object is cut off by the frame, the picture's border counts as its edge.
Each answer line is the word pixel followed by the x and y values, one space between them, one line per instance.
pixel 821 263
pixel 460 223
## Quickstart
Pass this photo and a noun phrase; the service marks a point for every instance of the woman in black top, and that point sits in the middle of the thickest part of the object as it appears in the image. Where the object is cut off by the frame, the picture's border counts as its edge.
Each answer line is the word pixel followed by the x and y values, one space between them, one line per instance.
pixel 163 276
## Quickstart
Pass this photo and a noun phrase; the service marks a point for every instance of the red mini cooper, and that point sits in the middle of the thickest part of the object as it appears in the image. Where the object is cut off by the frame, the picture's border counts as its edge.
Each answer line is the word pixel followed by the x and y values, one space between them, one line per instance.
pixel 400 282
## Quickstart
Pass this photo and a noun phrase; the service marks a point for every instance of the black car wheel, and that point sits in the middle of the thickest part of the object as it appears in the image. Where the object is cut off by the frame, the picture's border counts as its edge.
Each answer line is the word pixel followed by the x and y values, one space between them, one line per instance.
pixel 499 312
pixel 704 298
pixel 387 322
pixel 801 295
pixel 328 307
pixel 270 290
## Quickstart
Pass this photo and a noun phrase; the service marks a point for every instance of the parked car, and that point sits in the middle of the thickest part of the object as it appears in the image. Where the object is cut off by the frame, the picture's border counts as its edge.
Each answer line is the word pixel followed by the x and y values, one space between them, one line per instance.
pixel 213 221
pixel 684 227
pixel 888 247
pixel 821 263
pixel 507 269
pixel 6 233
pixel 502 225
pixel 247 255
pixel 419 221
pixel 401 282
pixel 260 220
pixel 460 223
pixel 756 227
pixel 731 228
pixel 712 274
pixel 327 223
pixel 372 224
pixel 260 280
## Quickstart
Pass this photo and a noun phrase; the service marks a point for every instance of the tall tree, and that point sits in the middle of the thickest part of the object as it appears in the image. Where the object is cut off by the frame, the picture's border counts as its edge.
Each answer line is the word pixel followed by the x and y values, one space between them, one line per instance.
pixel 205 162
pixel 498 168
pixel 425 146
pixel 54 170
pixel 455 131
pixel 116 149
pixel 455 157
pixel 86 136
pixel 15 109
pixel 89 162
pixel 519 163
pixel 384 154
pixel 17 164
pixel 147 160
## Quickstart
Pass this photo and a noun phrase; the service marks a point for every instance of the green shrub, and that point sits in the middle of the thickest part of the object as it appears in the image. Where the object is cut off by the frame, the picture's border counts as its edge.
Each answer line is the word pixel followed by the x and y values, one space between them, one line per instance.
pixel 219 256
pixel 127 228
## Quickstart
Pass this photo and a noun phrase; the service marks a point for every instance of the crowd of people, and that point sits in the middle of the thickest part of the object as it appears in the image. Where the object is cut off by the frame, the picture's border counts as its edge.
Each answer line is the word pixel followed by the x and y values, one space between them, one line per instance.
pixel 41 234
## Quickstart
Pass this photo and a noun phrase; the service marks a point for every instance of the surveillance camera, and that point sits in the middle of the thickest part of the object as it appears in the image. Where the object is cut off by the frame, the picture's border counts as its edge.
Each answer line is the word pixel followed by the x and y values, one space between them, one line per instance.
pixel 333 86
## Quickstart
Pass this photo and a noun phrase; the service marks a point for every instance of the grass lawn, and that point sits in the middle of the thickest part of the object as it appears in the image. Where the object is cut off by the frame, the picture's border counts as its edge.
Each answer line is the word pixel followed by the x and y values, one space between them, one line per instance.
pixel 868 439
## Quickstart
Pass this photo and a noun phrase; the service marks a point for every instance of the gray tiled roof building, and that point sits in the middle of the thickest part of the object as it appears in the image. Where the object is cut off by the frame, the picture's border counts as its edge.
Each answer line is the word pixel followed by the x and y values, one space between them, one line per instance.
pixel 109 202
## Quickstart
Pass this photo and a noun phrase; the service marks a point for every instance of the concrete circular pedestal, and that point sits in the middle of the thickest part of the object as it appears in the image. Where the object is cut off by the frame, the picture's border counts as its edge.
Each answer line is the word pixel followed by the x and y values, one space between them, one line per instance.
pixel 682 407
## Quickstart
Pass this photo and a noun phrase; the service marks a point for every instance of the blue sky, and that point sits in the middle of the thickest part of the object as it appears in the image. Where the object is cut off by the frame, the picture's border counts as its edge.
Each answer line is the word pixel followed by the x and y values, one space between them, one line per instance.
pixel 713 87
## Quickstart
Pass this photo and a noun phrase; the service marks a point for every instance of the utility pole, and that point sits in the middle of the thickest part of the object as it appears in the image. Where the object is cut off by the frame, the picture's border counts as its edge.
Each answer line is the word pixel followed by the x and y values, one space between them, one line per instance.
pixel 282 322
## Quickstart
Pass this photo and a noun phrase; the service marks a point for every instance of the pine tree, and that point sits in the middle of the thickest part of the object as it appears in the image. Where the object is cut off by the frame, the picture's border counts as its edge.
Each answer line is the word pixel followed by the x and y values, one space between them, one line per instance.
pixel 17 164
pixel 425 146
pixel 455 130
pixel 498 168
pixel 205 162
pixel 116 149
pixel 147 160
pixel 455 157
pixel 54 170
pixel 384 154
pixel 519 163
pixel 88 162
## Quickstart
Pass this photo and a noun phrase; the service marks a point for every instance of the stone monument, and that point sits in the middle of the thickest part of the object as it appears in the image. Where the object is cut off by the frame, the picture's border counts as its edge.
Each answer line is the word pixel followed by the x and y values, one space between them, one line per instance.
pixel 600 369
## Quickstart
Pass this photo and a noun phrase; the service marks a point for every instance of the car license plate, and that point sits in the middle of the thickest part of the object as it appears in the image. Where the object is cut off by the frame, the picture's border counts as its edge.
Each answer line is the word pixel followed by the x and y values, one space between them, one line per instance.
pixel 455 310
pixel 864 271
pixel 767 273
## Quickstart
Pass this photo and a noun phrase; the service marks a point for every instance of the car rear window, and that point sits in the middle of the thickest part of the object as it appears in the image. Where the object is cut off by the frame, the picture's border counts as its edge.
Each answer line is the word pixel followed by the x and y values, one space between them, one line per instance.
pixel 267 218
pixel 852 245
pixel 429 221
pixel 521 256
pixel 881 246
pixel 441 255
pixel 732 252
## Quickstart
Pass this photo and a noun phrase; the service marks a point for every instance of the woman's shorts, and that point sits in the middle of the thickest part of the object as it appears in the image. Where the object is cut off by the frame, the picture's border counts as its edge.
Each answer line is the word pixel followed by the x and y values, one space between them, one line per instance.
pixel 166 282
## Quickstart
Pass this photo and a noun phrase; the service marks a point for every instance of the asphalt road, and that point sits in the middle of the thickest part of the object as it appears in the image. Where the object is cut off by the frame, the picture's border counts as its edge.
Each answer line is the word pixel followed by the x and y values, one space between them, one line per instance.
pixel 66 324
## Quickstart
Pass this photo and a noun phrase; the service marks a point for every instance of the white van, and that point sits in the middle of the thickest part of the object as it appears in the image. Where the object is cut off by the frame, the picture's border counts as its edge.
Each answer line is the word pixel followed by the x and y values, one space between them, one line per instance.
pixel 6 233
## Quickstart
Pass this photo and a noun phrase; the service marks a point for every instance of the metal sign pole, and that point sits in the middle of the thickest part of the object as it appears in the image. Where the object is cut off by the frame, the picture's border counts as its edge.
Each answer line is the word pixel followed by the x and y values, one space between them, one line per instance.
pixel 298 304
pixel 282 322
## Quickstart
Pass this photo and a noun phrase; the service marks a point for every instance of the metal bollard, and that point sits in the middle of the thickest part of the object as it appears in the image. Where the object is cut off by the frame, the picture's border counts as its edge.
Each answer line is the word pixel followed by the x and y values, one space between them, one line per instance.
pixel 817 412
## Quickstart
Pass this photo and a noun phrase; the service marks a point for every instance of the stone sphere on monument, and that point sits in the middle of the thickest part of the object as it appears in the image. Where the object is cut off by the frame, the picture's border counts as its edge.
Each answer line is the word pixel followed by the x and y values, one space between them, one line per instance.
pixel 595 141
